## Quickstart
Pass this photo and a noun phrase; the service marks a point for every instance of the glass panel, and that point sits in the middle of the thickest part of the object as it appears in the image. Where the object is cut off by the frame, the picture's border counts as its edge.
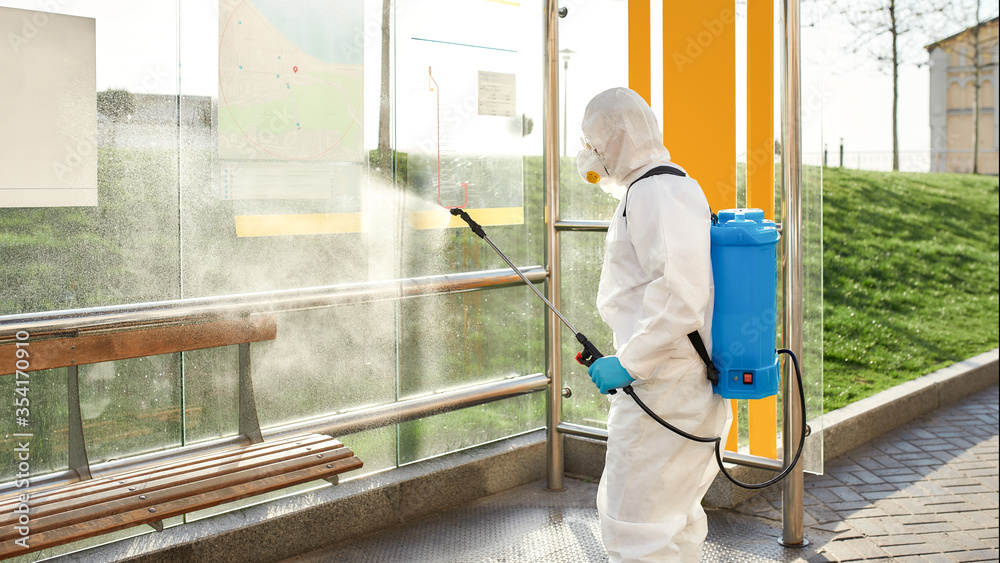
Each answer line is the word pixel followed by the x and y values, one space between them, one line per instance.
pixel 812 234
pixel 590 65
pixel 448 432
pixel 460 340
pixel 228 179
pixel 123 249
pixel 211 393
pixel 465 91
pixel 581 257
pixel 581 254
pixel 46 421
pixel 468 115
pixel 131 406
pixel 324 361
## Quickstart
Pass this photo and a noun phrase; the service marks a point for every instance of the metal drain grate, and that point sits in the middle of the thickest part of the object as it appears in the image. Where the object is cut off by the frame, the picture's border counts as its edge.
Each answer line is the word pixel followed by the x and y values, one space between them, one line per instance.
pixel 528 525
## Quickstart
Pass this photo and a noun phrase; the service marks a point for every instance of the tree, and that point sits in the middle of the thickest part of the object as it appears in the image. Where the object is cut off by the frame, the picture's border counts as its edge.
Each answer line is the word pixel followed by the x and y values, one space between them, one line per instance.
pixel 118 104
pixel 903 23
pixel 384 143
pixel 977 63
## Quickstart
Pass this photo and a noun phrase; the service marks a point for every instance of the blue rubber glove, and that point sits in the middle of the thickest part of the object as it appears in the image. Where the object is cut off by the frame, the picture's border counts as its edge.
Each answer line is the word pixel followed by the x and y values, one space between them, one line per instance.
pixel 607 373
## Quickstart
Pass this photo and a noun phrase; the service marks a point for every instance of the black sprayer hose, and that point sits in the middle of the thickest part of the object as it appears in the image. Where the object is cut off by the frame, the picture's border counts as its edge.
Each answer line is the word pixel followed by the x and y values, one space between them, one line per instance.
pixel 718 440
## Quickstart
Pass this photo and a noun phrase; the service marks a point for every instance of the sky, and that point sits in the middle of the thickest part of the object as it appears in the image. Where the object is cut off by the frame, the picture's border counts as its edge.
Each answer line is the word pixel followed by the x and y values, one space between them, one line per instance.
pixel 139 51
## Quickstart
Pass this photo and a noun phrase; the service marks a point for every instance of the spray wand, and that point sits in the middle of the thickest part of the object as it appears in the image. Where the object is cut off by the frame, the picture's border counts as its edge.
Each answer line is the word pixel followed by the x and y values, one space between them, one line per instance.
pixel 590 352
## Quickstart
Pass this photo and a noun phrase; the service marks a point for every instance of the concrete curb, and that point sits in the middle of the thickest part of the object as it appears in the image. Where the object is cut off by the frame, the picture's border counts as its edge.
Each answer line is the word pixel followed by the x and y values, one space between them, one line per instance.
pixel 860 422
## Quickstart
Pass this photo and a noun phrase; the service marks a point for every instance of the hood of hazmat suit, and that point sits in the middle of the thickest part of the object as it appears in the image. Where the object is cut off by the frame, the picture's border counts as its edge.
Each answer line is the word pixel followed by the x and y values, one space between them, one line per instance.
pixel 656 287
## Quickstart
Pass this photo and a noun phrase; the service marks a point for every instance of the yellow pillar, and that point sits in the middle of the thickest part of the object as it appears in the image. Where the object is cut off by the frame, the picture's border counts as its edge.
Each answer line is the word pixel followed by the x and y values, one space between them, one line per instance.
pixel 699 119
pixel 699 101
pixel 763 413
pixel 639 64
pixel 699 94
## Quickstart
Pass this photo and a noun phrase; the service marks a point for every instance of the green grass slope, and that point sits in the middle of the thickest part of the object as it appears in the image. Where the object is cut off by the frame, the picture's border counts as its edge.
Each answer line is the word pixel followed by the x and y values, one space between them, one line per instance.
pixel 910 276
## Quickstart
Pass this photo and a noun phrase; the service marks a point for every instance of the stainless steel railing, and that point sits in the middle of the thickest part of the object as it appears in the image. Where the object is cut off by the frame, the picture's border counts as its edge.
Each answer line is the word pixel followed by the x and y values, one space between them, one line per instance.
pixel 338 424
pixel 185 310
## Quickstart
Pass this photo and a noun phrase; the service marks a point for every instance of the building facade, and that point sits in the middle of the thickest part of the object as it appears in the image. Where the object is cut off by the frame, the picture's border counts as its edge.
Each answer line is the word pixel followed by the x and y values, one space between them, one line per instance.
pixel 954 88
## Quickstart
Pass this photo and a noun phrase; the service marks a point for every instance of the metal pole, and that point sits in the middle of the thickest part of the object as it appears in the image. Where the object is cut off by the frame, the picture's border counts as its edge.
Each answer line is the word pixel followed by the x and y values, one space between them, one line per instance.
pixel 791 261
pixel 554 440
pixel 565 105
pixel 249 421
pixel 77 445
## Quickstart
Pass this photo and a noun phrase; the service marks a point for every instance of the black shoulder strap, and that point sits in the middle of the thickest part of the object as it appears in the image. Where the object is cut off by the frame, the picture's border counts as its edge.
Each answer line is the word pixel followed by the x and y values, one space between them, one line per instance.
pixel 699 345
pixel 694 337
pixel 653 172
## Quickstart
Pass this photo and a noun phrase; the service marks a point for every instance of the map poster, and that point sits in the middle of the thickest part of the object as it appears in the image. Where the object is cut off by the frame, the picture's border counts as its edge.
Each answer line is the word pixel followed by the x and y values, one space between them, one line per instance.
pixel 291 107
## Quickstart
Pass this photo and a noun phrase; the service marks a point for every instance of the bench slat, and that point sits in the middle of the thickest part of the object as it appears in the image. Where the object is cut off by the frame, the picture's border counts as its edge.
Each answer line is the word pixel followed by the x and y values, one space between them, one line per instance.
pixel 141 515
pixel 188 491
pixel 44 493
pixel 121 487
pixel 111 346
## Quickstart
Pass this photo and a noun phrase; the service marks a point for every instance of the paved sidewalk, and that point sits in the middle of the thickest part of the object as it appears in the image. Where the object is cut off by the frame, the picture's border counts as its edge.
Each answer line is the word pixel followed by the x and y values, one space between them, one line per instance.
pixel 924 492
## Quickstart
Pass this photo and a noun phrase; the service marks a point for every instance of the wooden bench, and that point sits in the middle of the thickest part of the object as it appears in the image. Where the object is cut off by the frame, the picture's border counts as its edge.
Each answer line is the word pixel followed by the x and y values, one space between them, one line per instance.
pixel 88 507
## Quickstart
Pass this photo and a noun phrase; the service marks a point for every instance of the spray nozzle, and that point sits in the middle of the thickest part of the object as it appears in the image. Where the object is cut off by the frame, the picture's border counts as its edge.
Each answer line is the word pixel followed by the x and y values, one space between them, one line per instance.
pixel 476 228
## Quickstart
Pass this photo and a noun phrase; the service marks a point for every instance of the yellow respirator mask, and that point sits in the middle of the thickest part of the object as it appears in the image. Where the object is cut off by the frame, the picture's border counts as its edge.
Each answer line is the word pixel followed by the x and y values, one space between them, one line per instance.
pixel 592 169
pixel 590 164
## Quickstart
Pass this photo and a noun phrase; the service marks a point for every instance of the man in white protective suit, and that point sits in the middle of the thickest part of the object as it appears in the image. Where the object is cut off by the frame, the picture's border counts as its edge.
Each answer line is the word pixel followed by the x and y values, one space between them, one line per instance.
pixel 656 287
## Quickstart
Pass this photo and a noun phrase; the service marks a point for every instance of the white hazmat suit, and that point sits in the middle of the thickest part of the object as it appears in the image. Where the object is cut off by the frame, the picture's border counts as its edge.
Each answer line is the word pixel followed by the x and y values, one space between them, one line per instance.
pixel 656 287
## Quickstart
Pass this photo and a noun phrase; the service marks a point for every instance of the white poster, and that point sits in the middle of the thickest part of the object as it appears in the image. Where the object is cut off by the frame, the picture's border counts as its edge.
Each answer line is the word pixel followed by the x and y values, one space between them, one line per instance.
pixel 48 89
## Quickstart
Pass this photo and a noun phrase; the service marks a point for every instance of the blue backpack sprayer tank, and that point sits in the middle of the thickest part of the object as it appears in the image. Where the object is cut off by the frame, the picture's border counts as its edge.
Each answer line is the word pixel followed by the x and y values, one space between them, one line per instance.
pixel 744 267
pixel 744 362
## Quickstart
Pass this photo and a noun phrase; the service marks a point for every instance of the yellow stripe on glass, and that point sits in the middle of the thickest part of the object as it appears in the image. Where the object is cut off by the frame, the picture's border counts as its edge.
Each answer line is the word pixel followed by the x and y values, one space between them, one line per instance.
pixel 699 102
pixel 699 121
pixel 305 224
pixel 441 218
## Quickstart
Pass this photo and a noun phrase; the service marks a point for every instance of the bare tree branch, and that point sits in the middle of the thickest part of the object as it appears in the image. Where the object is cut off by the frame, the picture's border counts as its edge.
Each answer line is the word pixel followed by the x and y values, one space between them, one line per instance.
pixel 892 33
